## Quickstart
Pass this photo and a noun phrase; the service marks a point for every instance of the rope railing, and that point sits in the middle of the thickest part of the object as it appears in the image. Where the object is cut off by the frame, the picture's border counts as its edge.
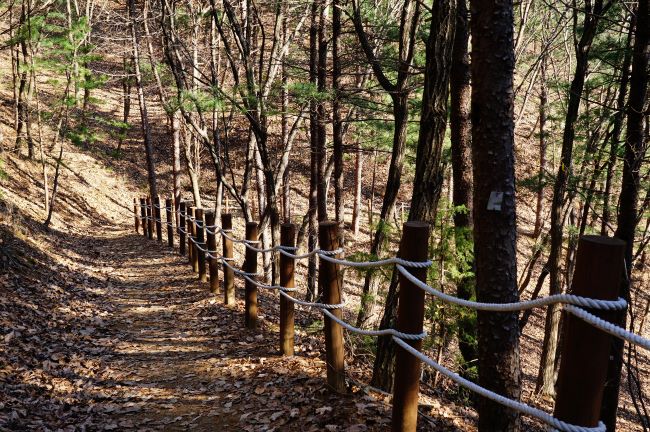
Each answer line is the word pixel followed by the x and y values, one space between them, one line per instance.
pixel 411 272
pixel 609 305
pixel 608 327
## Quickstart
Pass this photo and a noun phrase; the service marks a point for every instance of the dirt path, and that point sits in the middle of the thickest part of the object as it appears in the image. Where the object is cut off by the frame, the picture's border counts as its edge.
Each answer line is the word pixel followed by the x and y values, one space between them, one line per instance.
pixel 103 329
pixel 177 359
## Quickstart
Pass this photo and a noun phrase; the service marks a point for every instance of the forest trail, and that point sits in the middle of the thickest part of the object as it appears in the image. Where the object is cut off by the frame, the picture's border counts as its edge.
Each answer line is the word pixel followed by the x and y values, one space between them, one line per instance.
pixel 107 330
pixel 159 352
pixel 104 329
pixel 163 364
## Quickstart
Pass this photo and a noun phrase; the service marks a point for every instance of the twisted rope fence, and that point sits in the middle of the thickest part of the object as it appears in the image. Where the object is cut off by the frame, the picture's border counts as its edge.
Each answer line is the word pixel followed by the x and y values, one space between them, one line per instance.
pixel 411 265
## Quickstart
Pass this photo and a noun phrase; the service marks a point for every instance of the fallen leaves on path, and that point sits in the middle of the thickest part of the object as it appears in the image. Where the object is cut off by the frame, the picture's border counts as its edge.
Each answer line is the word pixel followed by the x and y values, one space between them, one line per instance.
pixel 121 336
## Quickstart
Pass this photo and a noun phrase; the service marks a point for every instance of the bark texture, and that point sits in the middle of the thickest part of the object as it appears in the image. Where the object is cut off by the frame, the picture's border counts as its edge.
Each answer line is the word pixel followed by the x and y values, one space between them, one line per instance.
pixel 494 207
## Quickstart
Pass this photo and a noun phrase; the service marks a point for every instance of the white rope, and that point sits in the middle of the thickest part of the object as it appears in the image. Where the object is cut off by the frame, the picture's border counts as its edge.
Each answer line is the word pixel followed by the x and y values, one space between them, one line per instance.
pixel 512 404
pixel 198 244
pixel 272 287
pixel 246 242
pixel 213 227
pixel 383 332
pixel 239 272
pixel 608 327
pixel 208 254
pixel 516 306
pixel 387 261
pixel 254 249
pixel 283 251
pixel 312 304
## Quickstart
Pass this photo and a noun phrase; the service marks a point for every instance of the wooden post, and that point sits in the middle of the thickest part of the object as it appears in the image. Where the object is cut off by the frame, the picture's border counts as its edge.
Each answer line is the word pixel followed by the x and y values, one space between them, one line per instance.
pixel 170 222
pixel 194 259
pixel 149 219
pixel 250 266
pixel 228 274
pixel 287 267
pixel 410 315
pixel 330 285
pixel 200 239
pixel 213 264
pixel 190 232
pixel 585 349
pixel 158 217
pixel 143 215
pixel 181 228
pixel 136 218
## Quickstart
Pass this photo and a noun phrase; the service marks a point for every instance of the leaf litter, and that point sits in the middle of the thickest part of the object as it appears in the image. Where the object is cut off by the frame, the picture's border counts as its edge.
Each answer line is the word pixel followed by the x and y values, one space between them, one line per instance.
pixel 120 335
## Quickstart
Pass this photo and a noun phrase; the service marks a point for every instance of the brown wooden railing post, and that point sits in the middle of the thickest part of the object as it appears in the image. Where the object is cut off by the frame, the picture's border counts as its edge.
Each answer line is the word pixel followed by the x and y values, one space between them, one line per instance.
pixel 158 217
pixel 585 349
pixel 200 239
pixel 181 228
pixel 194 256
pixel 190 232
pixel 143 215
pixel 213 264
pixel 250 266
pixel 228 274
pixel 188 228
pixel 330 285
pixel 149 219
pixel 287 267
pixel 136 217
pixel 170 222
pixel 410 315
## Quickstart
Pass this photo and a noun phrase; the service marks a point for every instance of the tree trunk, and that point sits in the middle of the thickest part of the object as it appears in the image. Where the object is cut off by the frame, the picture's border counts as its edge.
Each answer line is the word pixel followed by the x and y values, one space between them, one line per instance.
pixel 399 93
pixel 636 147
pixel 393 183
pixel 619 116
pixel 461 161
pixel 546 376
pixel 320 112
pixel 494 215
pixel 312 286
pixel 427 184
pixel 146 130
pixel 176 169
pixel 541 172
pixel 358 177
pixel 337 126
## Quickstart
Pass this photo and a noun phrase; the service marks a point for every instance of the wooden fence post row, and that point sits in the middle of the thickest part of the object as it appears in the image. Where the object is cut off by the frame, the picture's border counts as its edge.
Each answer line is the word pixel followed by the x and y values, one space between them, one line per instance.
pixel 584 352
